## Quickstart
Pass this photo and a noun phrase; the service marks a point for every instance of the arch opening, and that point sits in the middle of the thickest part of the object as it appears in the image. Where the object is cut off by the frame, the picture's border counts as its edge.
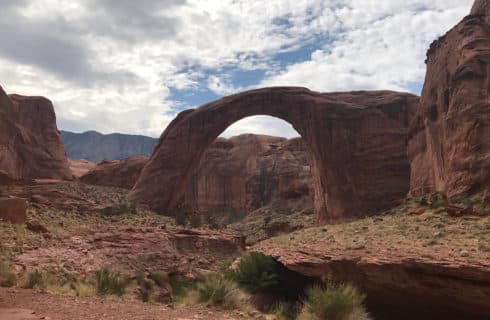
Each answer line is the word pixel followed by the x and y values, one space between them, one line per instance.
pixel 259 162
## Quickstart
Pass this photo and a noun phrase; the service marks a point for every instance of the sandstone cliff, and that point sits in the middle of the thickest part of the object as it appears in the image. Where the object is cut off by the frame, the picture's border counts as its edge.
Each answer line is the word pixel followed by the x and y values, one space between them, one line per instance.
pixel 30 144
pixel 449 146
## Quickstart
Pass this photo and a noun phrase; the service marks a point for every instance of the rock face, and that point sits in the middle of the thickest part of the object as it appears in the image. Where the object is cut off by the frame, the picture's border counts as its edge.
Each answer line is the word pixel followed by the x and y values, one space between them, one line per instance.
pixel 30 144
pixel 96 147
pixel 357 143
pixel 449 146
pixel 13 210
pixel 80 167
pixel 115 173
pixel 249 171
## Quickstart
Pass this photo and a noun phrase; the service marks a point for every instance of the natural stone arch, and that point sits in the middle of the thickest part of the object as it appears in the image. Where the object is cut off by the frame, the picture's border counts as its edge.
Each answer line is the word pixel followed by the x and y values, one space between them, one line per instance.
pixel 357 142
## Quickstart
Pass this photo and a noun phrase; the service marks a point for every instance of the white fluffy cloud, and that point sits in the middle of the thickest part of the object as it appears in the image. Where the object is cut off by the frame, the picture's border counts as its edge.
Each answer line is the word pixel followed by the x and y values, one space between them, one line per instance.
pixel 113 65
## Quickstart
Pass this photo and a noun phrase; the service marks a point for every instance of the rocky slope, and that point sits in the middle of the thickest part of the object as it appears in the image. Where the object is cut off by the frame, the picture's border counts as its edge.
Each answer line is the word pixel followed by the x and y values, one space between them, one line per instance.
pixel 30 144
pixel 242 173
pixel 95 147
pixel 449 145
pixel 357 143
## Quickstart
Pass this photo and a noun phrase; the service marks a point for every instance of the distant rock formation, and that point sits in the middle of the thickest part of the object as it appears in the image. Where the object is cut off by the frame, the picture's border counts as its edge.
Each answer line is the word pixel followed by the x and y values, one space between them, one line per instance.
pixel 357 143
pixel 30 144
pixel 449 144
pixel 96 147
pixel 115 173
pixel 80 167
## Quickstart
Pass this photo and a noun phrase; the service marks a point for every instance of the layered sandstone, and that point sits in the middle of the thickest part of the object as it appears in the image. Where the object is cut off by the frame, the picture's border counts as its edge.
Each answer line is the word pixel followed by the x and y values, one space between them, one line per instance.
pixel 356 140
pixel 449 146
pixel 30 144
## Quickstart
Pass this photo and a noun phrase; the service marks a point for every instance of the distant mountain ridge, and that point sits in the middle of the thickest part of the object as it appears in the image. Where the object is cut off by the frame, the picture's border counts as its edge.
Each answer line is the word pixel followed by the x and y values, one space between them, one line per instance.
pixel 95 146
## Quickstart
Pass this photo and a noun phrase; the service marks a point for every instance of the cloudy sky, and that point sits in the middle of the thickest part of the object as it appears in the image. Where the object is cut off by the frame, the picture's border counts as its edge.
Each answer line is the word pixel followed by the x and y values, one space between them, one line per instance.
pixel 129 66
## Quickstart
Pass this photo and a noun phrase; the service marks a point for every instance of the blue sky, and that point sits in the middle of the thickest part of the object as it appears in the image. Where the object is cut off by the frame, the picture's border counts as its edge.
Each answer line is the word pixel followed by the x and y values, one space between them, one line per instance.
pixel 131 66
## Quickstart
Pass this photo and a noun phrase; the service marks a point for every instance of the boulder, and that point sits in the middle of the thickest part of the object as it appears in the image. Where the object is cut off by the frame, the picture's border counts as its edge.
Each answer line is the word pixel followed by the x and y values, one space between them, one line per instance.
pixel 449 140
pixel 356 142
pixel 13 210
pixel 30 144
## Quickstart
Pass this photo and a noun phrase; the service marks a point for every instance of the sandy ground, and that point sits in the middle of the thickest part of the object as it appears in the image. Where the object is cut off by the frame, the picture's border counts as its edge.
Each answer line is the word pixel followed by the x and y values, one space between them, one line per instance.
pixel 22 304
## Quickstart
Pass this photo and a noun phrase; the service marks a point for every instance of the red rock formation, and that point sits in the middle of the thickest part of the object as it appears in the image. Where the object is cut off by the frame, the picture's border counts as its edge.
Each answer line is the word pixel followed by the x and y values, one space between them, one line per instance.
pixel 115 173
pixel 13 210
pixel 249 171
pixel 30 144
pixel 80 167
pixel 449 146
pixel 357 143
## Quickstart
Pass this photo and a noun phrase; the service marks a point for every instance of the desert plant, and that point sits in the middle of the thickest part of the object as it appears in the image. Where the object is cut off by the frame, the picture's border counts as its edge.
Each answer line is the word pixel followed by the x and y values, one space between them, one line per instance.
pixel 195 221
pixel 145 289
pixel 285 310
pixel 7 277
pixel 217 291
pixel 36 279
pixel 110 283
pixel 333 302
pixel 256 272
pixel 159 277
pixel 180 219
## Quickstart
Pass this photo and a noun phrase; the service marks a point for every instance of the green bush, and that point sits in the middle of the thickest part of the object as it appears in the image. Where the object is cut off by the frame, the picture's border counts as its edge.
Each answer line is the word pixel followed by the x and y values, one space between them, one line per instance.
pixel 145 289
pixel 160 278
pixel 257 272
pixel 181 219
pixel 7 277
pixel 332 302
pixel 195 221
pixel 36 279
pixel 110 283
pixel 217 291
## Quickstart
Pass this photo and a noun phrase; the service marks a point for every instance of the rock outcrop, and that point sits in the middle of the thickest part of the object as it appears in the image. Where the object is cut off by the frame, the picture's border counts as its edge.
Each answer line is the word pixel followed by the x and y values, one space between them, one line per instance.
pixel 449 146
pixel 357 143
pixel 80 167
pixel 30 144
pixel 115 173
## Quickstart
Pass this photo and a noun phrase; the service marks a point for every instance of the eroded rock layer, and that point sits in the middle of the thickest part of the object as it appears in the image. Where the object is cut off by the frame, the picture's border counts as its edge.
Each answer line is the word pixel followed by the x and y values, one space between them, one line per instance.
pixel 30 144
pixel 115 173
pixel 449 146
pixel 357 143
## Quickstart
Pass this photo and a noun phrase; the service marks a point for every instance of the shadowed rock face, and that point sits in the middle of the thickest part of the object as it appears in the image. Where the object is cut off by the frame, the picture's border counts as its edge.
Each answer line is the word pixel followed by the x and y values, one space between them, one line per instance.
pixel 30 144
pixel 357 143
pixel 250 171
pixel 449 146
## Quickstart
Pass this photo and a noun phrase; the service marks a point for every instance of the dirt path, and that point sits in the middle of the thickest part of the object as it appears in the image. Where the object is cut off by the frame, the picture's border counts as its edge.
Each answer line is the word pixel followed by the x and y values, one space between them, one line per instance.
pixel 20 304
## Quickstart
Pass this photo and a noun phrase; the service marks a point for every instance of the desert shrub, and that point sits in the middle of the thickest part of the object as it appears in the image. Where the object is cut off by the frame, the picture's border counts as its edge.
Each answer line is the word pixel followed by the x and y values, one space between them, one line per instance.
pixel 195 221
pixel 256 272
pixel 159 277
pixel 7 277
pixel 110 283
pixel 437 201
pixel 36 279
pixel 333 302
pixel 217 291
pixel 145 289
pixel 180 219
pixel 286 310
pixel 181 287
pixel 83 289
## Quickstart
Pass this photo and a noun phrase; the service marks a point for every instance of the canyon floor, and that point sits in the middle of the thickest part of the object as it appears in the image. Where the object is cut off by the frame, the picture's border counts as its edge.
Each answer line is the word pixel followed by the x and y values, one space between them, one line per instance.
pixel 418 249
